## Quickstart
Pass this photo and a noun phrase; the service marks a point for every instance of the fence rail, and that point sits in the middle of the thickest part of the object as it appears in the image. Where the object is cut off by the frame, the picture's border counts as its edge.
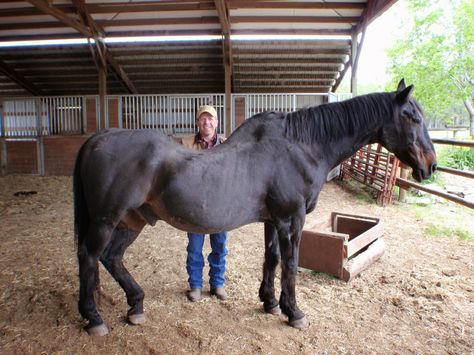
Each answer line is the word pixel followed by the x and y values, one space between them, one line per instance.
pixel 453 142
pixel 406 184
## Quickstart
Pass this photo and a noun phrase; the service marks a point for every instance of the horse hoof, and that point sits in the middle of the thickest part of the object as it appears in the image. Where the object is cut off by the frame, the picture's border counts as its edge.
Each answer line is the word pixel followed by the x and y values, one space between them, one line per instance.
pixel 301 323
pixel 276 311
pixel 98 330
pixel 137 319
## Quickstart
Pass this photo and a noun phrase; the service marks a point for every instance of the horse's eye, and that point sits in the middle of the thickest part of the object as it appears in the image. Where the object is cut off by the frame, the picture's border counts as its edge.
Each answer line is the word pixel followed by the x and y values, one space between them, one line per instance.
pixel 407 112
pixel 411 113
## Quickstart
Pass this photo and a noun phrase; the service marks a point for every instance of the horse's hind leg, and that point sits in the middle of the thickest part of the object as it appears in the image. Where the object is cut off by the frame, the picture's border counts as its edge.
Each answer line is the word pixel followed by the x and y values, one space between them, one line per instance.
pixel 112 259
pixel 88 253
pixel 272 257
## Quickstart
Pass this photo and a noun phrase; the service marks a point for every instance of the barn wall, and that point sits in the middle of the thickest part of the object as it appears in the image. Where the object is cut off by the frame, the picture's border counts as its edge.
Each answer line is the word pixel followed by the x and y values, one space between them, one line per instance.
pixel 91 114
pixel 3 157
pixel 60 154
pixel 113 112
pixel 239 110
pixel 21 157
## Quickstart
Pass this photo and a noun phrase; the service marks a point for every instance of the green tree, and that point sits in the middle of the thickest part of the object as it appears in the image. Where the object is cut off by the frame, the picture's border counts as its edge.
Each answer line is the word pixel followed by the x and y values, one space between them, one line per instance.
pixel 437 55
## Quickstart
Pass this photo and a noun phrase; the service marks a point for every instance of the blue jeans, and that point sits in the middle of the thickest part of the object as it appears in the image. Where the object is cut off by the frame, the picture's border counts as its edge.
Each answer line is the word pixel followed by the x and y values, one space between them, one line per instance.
pixel 216 259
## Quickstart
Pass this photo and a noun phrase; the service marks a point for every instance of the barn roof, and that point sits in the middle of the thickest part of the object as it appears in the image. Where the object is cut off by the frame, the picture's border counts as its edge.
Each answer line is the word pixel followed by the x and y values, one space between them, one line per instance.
pixel 180 66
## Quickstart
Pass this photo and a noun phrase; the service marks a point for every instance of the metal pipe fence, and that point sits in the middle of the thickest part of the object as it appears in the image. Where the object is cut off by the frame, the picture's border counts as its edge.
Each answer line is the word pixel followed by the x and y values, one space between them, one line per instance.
pixel 172 114
pixel 42 116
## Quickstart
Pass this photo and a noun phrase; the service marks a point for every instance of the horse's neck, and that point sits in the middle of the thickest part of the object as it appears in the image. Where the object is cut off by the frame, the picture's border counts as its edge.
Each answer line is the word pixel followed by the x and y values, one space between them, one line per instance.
pixel 367 133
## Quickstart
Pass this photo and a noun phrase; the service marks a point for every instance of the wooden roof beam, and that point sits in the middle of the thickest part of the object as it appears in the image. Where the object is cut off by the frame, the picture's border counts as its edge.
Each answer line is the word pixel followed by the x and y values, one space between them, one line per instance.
pixel 99 49
pixel 295 19
pixel 374 9
pixel 46 7
pixel 250 4
pixel 114 7
pixel 223 13
pixel 8 71
pixel 93 30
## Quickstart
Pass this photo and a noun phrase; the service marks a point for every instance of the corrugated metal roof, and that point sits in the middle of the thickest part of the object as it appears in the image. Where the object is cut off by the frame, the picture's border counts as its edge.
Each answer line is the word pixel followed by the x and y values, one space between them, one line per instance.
pixel 180 66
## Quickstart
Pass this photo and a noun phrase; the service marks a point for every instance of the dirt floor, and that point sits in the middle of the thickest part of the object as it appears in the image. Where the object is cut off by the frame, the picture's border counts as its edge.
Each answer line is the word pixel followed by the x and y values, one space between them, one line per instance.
pixel 417 299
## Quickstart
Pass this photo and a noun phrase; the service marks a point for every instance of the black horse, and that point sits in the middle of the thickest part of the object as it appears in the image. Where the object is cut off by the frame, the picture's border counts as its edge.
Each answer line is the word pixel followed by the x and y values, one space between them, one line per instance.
pixel 270 170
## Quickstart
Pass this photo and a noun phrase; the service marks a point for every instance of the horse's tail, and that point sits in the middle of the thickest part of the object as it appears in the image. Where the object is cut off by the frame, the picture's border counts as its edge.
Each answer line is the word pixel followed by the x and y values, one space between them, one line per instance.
pixel 81 213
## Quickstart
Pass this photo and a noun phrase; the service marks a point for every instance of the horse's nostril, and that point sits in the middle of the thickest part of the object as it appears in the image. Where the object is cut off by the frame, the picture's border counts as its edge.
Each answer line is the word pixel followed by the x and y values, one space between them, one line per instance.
pixel 433 168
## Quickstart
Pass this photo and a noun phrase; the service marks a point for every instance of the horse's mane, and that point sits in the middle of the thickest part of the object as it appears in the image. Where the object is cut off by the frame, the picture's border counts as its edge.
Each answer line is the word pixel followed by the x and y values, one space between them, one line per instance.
pixel 329 122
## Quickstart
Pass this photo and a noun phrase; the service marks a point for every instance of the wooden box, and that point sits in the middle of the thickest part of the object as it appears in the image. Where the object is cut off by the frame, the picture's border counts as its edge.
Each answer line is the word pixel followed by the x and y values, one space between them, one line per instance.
pixel 349 246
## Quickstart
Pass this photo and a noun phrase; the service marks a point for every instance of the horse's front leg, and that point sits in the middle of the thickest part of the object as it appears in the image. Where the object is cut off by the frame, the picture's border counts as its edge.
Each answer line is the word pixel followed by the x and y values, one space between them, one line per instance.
pixel 272 258
pixel 289 235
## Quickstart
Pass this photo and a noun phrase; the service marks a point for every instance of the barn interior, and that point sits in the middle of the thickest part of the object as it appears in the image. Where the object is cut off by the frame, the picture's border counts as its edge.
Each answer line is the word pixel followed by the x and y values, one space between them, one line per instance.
pixel 69 68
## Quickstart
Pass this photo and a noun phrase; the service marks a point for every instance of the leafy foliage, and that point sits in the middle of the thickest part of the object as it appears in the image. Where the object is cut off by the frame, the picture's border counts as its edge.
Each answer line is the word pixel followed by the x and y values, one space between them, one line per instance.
pixel 437 55
pixel 456 157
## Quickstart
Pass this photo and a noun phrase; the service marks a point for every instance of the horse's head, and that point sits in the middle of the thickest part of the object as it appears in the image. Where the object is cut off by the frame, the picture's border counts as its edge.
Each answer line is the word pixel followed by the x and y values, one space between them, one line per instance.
pixel 407 137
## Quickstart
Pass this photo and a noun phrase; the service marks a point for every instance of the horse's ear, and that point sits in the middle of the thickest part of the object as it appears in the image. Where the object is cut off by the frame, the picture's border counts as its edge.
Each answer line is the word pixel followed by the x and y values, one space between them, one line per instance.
pixel 401 85
pixel 404 95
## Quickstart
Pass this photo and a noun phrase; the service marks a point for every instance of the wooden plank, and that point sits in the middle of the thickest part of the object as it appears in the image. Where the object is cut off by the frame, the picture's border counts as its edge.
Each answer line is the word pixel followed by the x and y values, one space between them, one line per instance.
pixel 322 252
pixel 364 239
pixel 294 19
pixel 362 261
pixel 361 230
pixel 464 173
pixel 405 184
pixel 453 142
pixel 61 16
pixel 250 4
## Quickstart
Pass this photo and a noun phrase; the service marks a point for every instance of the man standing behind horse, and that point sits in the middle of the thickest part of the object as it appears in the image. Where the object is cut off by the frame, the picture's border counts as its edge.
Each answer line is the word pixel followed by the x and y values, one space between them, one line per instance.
pixel 205 138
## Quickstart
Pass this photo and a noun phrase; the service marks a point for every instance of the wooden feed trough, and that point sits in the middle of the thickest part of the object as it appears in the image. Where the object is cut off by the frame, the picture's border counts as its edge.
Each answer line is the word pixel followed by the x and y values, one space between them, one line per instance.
pixel 351 246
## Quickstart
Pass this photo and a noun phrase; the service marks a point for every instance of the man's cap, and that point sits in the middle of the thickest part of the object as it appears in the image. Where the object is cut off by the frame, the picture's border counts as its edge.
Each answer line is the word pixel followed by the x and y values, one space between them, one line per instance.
pixel 206 108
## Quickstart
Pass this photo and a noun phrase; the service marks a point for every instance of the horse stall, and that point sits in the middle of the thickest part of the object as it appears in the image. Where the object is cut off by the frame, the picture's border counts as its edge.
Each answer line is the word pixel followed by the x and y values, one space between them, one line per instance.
pixel 42 135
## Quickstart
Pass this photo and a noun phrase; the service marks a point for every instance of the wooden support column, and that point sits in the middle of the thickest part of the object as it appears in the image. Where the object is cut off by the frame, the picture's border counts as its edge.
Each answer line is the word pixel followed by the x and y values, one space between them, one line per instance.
pixel 102 95
pixel 354 50
pixel 224 18
pixel 3 156
pixel 228 96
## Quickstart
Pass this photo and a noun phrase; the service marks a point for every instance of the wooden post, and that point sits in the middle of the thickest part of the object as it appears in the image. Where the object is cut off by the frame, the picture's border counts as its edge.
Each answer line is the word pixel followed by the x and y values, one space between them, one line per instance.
pixel 3 145
pixel 228 100
pixel 39 138
pixel 402 193
pixel 355 47
pixel 102 95
pixel 3 156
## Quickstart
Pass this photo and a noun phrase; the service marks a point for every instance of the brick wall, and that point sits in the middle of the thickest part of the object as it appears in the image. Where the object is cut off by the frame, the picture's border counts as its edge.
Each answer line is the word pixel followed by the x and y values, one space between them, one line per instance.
pixel 3 156
pixel 22 157
pixel 239 110
pixel 113 113
pixel 91 115
pixel 60 154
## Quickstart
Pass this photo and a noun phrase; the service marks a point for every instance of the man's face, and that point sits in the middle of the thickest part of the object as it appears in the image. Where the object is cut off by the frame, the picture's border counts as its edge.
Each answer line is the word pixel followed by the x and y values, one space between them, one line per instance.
pixel 207 124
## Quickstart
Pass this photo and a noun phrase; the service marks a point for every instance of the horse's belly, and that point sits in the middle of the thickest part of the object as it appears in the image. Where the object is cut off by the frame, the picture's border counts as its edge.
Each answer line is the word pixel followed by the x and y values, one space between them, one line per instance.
pixel 199 217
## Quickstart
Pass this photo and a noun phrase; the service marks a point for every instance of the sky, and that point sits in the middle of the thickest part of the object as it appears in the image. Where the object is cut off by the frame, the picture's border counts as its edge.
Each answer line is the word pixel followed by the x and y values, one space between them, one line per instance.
pixel 381 34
